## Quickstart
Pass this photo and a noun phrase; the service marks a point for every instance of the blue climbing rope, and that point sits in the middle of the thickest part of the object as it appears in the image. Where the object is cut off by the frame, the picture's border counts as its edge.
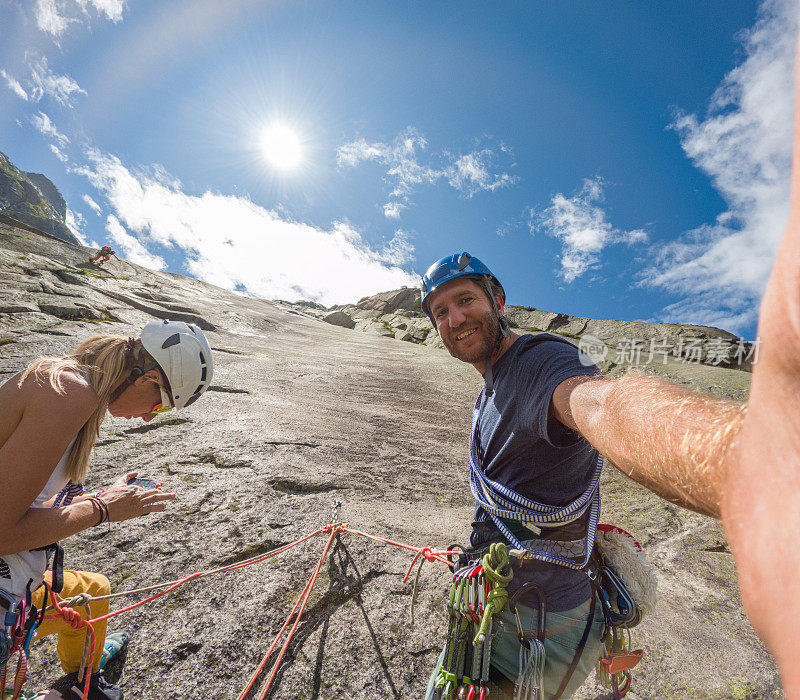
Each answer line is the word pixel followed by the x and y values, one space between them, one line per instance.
pixel 499 501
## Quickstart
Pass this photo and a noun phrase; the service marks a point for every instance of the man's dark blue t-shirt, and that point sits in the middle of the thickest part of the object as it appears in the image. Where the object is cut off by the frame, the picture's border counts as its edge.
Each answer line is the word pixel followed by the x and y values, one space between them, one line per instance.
pixel 522 445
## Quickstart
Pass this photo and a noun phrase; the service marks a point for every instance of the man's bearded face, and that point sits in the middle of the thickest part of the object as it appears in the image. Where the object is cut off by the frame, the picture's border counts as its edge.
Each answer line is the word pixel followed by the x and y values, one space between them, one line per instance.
pixel 465 320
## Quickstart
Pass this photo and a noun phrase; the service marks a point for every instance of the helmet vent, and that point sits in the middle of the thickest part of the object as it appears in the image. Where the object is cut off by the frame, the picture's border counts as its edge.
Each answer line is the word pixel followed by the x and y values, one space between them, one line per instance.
pixel 463 261
pixel 174 339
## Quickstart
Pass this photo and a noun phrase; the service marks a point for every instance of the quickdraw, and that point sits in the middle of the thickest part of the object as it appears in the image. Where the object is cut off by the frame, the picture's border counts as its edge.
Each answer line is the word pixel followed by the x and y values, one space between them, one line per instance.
pixel 478 592
pixel 530 676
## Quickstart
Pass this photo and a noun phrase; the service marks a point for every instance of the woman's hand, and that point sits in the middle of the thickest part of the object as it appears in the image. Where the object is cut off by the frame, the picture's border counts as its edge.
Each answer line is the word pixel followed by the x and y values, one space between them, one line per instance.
pixel 125 501
pixel 125 479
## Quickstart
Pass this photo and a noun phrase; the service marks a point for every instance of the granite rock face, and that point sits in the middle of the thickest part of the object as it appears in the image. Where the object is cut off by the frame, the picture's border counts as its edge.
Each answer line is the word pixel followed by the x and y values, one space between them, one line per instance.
pixel 301 413
pixel 34 200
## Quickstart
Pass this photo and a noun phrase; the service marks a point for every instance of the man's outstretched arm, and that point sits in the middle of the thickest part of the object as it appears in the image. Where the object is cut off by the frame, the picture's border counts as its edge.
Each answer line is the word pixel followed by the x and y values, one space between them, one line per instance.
pixel 760 497
pixel 672 440
pixel 714 457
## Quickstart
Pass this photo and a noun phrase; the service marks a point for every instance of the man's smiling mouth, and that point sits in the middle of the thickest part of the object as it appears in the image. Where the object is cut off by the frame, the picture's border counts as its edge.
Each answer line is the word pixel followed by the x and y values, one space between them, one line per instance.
pixel 463 335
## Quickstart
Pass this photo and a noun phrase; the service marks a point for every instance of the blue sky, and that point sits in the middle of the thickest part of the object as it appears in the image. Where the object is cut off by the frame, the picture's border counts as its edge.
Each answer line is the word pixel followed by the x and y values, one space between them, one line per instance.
pixel 613 160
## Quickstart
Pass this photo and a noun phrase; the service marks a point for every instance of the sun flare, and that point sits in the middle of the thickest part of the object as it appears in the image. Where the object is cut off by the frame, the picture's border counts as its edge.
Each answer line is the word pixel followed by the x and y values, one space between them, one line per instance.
pixel 281 146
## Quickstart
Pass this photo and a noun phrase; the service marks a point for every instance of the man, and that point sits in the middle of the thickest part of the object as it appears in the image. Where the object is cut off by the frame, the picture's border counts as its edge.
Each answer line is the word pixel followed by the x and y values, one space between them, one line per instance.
pixel 715 457
pixel 524 438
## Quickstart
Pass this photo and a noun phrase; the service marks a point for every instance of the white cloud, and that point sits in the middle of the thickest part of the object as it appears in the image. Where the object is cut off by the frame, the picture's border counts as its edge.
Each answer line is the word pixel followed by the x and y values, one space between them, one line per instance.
pixel 59 153
pixel 74 222
pixel 398 251
pixel 468 173
pixel 50 18
pixel 234 243
pixel 582 228
pixel 56 16
pixel 132 248
pixel 44 124
pixel 44 81
pixel 359 150
pixel 391 210
pixel 14 85
pixel 744 145
pixel 708 310
pixel 94 205
pixel 112 9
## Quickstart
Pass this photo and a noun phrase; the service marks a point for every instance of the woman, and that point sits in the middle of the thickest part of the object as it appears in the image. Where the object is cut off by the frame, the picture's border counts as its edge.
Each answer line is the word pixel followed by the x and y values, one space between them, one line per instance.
pixel 50 416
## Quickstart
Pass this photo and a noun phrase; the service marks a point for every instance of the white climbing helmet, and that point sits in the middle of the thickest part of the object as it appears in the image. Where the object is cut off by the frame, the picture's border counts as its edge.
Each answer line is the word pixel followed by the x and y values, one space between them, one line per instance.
pixel 184 356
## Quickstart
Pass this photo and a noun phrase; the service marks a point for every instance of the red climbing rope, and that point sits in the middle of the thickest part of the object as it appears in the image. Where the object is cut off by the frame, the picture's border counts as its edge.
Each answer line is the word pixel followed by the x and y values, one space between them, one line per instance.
pixel 73 618
pixel 198 574
pixel 426 552
pixel 304 596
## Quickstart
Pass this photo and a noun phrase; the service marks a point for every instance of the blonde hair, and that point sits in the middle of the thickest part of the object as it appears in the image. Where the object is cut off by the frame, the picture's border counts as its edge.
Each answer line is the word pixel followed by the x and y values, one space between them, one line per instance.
pixel 103 360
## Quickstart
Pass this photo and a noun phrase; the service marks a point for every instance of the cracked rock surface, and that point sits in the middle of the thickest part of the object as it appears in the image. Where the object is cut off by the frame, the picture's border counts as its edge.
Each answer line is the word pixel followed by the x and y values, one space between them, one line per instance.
pixel 301 413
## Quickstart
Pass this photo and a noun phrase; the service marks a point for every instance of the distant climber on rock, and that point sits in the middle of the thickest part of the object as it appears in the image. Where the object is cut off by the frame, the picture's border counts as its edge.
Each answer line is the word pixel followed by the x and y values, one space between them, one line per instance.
pixel 104 254
pixel 50 416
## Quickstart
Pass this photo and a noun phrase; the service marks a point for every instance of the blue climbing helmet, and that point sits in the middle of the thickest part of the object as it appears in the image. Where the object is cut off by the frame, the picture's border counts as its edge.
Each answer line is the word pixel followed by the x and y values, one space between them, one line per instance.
pixel 464 265
pixel 450 268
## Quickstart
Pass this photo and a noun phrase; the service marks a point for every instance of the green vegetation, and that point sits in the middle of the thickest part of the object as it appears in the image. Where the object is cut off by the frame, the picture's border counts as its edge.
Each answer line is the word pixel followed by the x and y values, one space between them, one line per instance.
pixel 11 172
pixel 36 210
pixel 512 323
pixel 574 336
pixel 6 341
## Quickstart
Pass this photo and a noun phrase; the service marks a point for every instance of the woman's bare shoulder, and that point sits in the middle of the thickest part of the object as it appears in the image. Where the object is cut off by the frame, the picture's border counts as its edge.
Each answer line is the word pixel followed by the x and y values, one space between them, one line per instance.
pixel 74 390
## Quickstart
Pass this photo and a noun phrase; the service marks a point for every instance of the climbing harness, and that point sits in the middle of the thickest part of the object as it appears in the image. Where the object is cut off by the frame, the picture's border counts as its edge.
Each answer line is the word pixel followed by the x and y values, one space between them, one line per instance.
pixel 501 502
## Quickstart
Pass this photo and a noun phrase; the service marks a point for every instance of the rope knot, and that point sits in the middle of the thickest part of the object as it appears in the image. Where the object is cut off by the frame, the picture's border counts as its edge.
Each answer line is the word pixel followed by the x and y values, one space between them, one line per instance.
pixel 75 601
pixel 72 617
pixel 427 552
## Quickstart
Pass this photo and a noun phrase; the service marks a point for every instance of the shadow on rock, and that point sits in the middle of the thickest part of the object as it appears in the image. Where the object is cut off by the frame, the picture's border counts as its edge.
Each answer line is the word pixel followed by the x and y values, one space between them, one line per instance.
pixel 346 584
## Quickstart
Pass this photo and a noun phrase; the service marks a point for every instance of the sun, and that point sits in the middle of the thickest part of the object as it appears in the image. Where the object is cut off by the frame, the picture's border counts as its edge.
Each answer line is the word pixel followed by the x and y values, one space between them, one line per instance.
pixel 281 146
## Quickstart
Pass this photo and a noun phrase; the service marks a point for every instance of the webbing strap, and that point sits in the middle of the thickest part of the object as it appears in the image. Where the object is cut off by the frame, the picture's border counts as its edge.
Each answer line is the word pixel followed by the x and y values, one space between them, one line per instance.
pixel 500 501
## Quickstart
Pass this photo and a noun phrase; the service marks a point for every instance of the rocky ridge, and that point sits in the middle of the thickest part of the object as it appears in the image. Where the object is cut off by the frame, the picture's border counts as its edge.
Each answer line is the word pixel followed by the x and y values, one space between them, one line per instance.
pixel 302 412
pixel 701 356
pixel 33 199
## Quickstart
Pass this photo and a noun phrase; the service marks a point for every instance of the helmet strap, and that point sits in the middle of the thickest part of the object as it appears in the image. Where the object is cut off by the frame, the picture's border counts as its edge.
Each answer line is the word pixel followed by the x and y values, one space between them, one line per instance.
pixel 501 335
pixel 136 372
